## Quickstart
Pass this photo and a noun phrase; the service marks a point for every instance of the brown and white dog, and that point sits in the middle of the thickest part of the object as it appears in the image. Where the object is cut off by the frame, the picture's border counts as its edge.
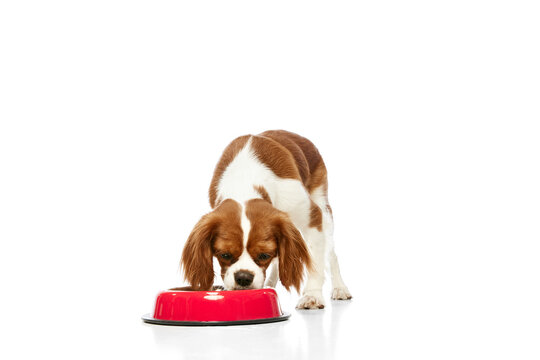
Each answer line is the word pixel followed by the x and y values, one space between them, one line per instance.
pixel 270 209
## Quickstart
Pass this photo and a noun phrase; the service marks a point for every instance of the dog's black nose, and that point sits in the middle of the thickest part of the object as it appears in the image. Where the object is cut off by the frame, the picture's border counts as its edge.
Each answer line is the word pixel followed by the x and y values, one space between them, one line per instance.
pixel 243 277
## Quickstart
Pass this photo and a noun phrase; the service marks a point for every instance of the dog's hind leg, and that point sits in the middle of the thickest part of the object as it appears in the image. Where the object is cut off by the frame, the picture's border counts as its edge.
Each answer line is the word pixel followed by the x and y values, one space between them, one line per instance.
pixel 339 289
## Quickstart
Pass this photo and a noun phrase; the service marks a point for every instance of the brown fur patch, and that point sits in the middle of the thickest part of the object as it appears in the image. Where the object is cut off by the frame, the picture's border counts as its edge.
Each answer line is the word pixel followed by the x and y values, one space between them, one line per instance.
pixel 284 139
pixel 276 157
pixel 227 157
pixel 261 236
pixel 315 216
pixel 306 156
pixel 318 178
pixel 311 154
pixel 262 191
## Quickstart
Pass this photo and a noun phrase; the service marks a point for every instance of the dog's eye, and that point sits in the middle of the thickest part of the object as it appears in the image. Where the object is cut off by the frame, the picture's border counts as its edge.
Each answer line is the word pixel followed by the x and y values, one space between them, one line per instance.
pixel 226 256
pixel 263 256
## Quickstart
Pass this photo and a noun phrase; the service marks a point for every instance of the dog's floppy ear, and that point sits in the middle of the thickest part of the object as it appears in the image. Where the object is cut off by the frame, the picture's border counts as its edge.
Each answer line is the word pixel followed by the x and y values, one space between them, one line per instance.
pixel 197 261
pixel 292 252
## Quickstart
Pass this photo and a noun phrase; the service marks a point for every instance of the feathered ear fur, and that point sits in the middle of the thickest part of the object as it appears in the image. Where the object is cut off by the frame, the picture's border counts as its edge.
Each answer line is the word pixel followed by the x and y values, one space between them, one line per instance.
pixel 197 261
pixel 293 253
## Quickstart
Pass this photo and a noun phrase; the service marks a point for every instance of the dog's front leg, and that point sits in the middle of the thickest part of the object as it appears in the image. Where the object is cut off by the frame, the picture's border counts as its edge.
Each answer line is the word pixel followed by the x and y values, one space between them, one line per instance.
pixel 272 279
pixel 312 297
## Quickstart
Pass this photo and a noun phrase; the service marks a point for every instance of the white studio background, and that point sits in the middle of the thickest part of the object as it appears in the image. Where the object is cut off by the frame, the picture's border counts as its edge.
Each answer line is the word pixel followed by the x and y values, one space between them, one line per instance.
pixel 114 113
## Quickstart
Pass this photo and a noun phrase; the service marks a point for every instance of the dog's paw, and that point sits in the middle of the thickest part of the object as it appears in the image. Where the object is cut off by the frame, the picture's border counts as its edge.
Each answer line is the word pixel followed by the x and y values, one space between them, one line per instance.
pixel 341 293
pixel 310 302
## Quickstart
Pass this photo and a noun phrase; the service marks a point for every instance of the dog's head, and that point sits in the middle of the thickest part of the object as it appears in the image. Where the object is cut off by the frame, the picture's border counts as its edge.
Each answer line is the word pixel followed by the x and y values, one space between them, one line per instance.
pixel 245 239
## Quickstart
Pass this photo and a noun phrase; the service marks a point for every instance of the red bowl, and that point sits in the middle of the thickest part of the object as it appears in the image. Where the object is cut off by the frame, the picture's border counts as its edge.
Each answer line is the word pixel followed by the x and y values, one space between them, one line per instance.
pixel 183 306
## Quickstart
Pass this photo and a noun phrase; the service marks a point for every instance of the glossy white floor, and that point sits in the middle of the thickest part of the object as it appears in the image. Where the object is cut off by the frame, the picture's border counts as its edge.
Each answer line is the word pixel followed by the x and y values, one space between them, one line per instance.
pixel 416 324
pixel 306 335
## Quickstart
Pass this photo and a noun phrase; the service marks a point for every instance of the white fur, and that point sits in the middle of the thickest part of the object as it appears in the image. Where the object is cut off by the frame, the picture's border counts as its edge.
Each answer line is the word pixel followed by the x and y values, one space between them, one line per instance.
pixel 246 226
pixel 243 172
pixel 245 262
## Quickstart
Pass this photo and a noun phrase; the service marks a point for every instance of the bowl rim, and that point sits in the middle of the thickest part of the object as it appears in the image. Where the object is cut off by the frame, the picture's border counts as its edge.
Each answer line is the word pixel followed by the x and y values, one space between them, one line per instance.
pixel 215 288
pixel 148 318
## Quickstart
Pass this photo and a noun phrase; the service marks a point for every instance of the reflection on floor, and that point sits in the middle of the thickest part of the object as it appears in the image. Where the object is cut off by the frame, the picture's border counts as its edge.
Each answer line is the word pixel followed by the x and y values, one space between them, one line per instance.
pixel 308 334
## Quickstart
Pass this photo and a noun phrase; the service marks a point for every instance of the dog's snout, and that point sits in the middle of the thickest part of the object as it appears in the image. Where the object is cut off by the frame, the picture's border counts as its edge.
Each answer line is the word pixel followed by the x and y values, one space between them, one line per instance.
pixel 243 277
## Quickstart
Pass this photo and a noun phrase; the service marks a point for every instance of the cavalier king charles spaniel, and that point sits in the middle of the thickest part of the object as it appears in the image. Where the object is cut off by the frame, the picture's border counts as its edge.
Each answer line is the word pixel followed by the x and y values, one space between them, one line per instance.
pixel 270 210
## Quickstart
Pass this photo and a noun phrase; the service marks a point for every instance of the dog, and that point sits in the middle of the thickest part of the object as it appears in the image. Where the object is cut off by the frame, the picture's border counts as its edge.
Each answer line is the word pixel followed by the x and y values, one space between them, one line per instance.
pixel 270 210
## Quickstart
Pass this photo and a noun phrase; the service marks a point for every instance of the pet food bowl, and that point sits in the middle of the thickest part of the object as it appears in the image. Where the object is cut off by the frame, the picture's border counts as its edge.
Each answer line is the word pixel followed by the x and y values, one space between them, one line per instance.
pixel 184 306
